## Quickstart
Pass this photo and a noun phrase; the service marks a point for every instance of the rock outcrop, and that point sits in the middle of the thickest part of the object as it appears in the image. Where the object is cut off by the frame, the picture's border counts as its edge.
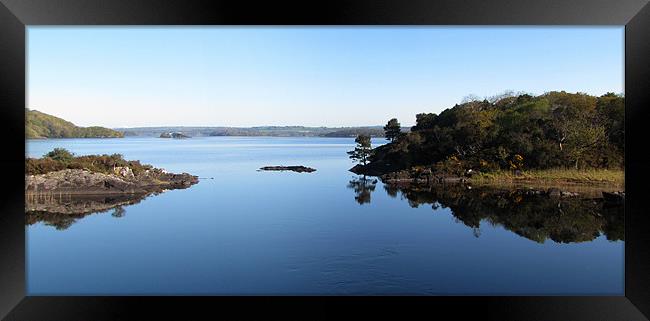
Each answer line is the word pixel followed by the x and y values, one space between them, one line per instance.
pixel 121 181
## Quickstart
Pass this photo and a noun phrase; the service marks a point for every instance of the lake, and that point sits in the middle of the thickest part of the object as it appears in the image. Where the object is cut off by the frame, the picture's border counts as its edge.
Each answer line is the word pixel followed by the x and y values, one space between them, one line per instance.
pixel 244 231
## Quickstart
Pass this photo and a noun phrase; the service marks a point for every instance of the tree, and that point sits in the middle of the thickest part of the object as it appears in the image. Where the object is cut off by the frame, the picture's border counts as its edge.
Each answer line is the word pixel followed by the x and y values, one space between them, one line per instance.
pixel 584 136
pixel 424 121
pixel 362 151
pixel 392 129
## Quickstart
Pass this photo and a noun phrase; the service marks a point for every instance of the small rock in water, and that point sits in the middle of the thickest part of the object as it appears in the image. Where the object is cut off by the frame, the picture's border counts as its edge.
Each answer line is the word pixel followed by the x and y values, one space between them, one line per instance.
pixel 298 169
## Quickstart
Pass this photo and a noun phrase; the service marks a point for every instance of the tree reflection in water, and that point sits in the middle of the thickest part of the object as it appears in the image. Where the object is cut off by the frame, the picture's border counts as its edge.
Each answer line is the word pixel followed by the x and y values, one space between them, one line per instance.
pixel 363 187
pixel 535 217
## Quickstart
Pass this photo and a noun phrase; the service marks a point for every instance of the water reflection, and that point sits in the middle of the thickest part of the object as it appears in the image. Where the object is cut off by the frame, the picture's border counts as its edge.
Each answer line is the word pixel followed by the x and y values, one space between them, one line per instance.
pixel 524 212
pixel 362 187
pixel 61 211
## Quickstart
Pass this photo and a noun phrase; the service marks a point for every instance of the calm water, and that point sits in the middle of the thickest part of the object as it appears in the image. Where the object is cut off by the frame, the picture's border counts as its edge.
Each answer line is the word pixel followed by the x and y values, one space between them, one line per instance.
pixel 327 232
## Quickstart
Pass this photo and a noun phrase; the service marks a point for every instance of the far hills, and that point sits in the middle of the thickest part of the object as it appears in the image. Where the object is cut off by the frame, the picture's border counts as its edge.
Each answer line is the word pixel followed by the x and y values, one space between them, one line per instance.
pixel 277 131
pixel 42 125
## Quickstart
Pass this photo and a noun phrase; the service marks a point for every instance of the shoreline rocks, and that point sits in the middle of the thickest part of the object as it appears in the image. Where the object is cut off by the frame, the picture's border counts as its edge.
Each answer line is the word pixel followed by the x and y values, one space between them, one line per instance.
pixel 608 198
pixel 427 176
pixel 121 181
pixel 420 176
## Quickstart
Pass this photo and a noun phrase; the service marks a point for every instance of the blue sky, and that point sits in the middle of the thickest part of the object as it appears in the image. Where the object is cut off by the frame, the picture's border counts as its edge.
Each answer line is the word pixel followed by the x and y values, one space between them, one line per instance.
pixel 312 76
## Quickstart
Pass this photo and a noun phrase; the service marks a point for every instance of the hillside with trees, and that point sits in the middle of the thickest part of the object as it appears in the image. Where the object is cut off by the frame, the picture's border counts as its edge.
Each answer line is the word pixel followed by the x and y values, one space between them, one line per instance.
pixel 42 125
pixel 356 131
pixel 573 131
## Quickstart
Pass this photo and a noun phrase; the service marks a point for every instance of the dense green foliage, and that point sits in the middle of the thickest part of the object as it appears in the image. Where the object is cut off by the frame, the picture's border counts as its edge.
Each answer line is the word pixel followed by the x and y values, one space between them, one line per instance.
pixel 553 130
pixel 356 131
pixel 41 125
pixel 60 159
pixel 60 155
pixel 362 151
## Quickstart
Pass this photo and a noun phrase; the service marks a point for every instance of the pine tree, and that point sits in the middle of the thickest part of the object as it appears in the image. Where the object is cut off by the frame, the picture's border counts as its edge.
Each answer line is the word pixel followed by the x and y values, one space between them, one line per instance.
pixel 362 151
pixel 392 130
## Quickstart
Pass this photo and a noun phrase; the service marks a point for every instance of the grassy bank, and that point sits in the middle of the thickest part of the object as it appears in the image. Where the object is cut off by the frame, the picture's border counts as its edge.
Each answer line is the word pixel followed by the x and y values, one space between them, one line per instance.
pixel 588 176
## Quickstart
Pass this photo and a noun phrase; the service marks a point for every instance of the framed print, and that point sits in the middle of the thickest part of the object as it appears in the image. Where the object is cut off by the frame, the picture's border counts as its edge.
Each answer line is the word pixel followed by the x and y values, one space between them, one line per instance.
pixel 485 159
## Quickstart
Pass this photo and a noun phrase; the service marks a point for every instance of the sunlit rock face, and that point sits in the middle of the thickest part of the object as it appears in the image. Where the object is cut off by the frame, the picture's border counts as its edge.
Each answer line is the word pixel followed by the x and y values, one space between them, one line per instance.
pixel 79 181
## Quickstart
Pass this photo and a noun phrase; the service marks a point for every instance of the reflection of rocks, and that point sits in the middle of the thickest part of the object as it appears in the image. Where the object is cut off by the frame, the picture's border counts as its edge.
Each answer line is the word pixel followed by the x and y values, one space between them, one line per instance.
pixel 79 181
pixel 61 197
pixel 64 210
pixel 528 213
pixel 363 188
pixel 82 204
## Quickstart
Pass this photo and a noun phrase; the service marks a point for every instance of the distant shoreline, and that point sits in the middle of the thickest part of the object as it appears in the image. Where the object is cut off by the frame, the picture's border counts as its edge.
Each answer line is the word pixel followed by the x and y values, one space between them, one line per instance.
pixel 259 131
pixel 190 138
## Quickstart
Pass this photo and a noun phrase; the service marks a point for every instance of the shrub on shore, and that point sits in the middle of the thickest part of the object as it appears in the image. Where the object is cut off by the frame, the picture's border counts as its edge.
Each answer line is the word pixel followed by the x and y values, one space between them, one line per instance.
pixel 60 159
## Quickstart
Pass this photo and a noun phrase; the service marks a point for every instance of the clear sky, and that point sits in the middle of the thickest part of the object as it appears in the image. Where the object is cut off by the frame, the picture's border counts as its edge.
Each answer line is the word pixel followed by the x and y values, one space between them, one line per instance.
pixel 312 76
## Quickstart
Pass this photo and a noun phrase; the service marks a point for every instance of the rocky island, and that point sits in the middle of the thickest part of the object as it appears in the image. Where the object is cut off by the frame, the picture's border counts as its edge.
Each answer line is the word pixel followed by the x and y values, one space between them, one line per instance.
pixel 173 135
pixel 60 172
pixel 61 188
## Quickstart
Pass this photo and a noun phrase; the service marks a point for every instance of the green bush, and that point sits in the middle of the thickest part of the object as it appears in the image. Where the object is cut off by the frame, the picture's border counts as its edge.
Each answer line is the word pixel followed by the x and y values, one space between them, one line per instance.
pixel 59 159
pixel 60 154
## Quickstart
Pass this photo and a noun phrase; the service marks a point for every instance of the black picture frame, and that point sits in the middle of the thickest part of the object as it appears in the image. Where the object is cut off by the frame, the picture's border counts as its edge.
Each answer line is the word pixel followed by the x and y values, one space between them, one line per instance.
pixel 16 15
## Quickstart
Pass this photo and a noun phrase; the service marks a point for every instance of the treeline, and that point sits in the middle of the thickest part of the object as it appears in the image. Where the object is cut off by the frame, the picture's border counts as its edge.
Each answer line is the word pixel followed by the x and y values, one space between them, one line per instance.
pixel 42 125
pixel 553 130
